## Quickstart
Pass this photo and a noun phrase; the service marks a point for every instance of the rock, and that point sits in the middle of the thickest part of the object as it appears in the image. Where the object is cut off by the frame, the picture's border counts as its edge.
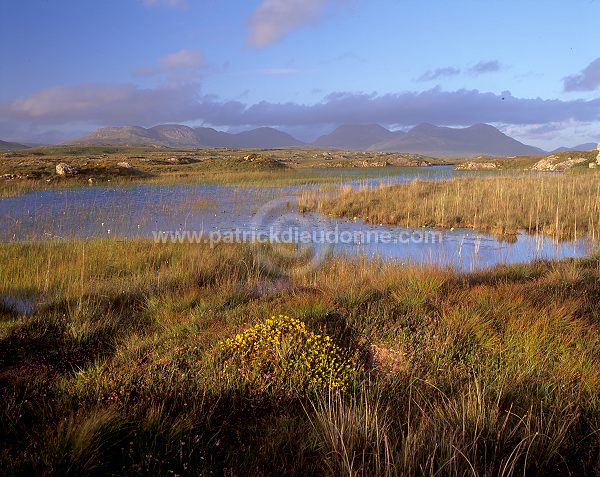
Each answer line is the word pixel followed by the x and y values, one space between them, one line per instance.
pixel 370 164
pixel 91 180
pixel 63 169
pixel 181 160
pixel 554 163
pixel 124 165
pixel 592 165
pixel 253 157
pixel 418 164
pixel 476 166
pixel 598 157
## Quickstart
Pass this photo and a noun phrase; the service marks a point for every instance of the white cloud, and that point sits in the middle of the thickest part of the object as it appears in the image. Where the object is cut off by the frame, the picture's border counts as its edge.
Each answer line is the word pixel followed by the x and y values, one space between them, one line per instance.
pixel 273 19
pixel 101 103
pixel 567 133
pixel 180 61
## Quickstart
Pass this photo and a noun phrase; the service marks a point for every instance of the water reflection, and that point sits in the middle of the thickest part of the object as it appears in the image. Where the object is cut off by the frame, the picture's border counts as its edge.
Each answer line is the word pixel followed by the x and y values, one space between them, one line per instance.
pixel 141 210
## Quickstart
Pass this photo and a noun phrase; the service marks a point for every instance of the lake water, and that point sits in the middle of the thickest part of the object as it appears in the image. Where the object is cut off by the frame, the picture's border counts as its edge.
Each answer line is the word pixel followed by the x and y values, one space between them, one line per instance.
pixel 145 210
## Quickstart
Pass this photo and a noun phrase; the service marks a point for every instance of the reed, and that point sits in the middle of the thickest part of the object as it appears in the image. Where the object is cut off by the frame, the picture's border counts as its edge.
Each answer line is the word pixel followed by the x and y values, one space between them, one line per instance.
pixel 564 207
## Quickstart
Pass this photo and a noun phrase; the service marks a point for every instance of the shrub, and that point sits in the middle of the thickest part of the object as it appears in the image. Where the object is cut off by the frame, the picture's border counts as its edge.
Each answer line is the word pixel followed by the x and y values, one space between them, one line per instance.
pixel 280 351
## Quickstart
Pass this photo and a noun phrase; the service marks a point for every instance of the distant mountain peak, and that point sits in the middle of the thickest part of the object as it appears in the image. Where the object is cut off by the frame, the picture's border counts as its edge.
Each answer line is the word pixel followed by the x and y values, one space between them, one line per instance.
pixel 10 146
pixel 478 139
pixel 483 126
pixel 178 135
pixel 354 136
pixel 588 146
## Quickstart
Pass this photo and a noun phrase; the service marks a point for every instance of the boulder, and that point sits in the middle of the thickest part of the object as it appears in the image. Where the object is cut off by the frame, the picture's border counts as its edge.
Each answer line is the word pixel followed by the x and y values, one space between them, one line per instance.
pixel 370 164
pixel 181 160
pixel 253 157
pixel 476 166
pixel 124 165
pixel 63 169
pixel 554 163
pixel 598 157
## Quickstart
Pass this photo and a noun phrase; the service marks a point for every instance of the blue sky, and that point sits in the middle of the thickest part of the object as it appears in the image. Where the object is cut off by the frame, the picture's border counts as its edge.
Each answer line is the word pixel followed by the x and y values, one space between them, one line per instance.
pixel 305 66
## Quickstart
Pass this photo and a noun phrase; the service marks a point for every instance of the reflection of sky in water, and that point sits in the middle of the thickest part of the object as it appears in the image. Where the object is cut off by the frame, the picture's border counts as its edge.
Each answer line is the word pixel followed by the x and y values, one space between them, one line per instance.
pixel 138 210
pixel 461 248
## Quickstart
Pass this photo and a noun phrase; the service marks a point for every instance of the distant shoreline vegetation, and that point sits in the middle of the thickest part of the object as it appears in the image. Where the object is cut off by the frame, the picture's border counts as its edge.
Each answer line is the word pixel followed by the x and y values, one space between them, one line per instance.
pixel 35 168
pixel 564 207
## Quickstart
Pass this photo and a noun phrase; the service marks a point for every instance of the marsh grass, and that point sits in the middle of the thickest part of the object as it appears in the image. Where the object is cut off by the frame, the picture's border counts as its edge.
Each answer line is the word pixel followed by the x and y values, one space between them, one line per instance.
pixel 118 370
pixel 564 207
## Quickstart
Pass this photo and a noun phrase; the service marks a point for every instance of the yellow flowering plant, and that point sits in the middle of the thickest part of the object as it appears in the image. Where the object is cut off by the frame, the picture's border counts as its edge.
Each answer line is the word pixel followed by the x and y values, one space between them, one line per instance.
pixel 282 351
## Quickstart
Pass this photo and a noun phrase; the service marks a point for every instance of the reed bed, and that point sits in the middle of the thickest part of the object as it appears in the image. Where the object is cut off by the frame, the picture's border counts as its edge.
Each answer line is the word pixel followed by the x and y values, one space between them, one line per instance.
pixel 118 365
pixel 564 207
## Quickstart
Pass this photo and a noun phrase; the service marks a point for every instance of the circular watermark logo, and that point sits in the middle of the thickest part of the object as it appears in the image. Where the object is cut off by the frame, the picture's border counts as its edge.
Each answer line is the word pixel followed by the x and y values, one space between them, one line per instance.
pixel 287 241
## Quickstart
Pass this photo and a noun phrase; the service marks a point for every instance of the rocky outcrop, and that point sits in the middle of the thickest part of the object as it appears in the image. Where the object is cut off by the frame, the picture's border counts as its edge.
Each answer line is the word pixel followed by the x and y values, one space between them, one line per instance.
pixel 253 157
pixel 403 162
pixel 476 166
pixel 369 164
pixel 63 169
pixel 124 165
pixel 554 163
pixel 181 160
pixel 594 165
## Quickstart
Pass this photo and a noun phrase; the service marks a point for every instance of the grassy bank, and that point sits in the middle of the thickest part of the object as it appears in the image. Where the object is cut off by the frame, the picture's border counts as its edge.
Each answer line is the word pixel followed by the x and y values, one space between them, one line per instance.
pixel 119 367
pixel 561 206
pixel 28 169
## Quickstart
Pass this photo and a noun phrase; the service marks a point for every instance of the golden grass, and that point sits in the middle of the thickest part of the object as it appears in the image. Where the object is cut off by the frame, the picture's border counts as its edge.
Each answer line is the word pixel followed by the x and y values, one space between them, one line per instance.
pixel 119 369
pixel 564 207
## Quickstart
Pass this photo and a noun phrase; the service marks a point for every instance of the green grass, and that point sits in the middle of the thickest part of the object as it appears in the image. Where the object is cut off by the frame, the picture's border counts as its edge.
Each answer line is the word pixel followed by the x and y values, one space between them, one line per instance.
pixel 565 206
pixel 119 369
pixel 35 168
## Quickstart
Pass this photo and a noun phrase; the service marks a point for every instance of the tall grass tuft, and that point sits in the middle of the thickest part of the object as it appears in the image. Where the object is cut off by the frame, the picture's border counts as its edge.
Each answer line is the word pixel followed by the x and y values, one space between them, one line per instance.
pixel 564 207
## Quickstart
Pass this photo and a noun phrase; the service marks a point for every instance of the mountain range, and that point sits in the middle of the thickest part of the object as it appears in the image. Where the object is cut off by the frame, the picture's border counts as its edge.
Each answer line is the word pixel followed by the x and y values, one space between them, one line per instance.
pixel 11 145
pixel 423 139
pixel 176 135
pixel 427 139
pixel 443 141
pixel 581 147
pixel 356 136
